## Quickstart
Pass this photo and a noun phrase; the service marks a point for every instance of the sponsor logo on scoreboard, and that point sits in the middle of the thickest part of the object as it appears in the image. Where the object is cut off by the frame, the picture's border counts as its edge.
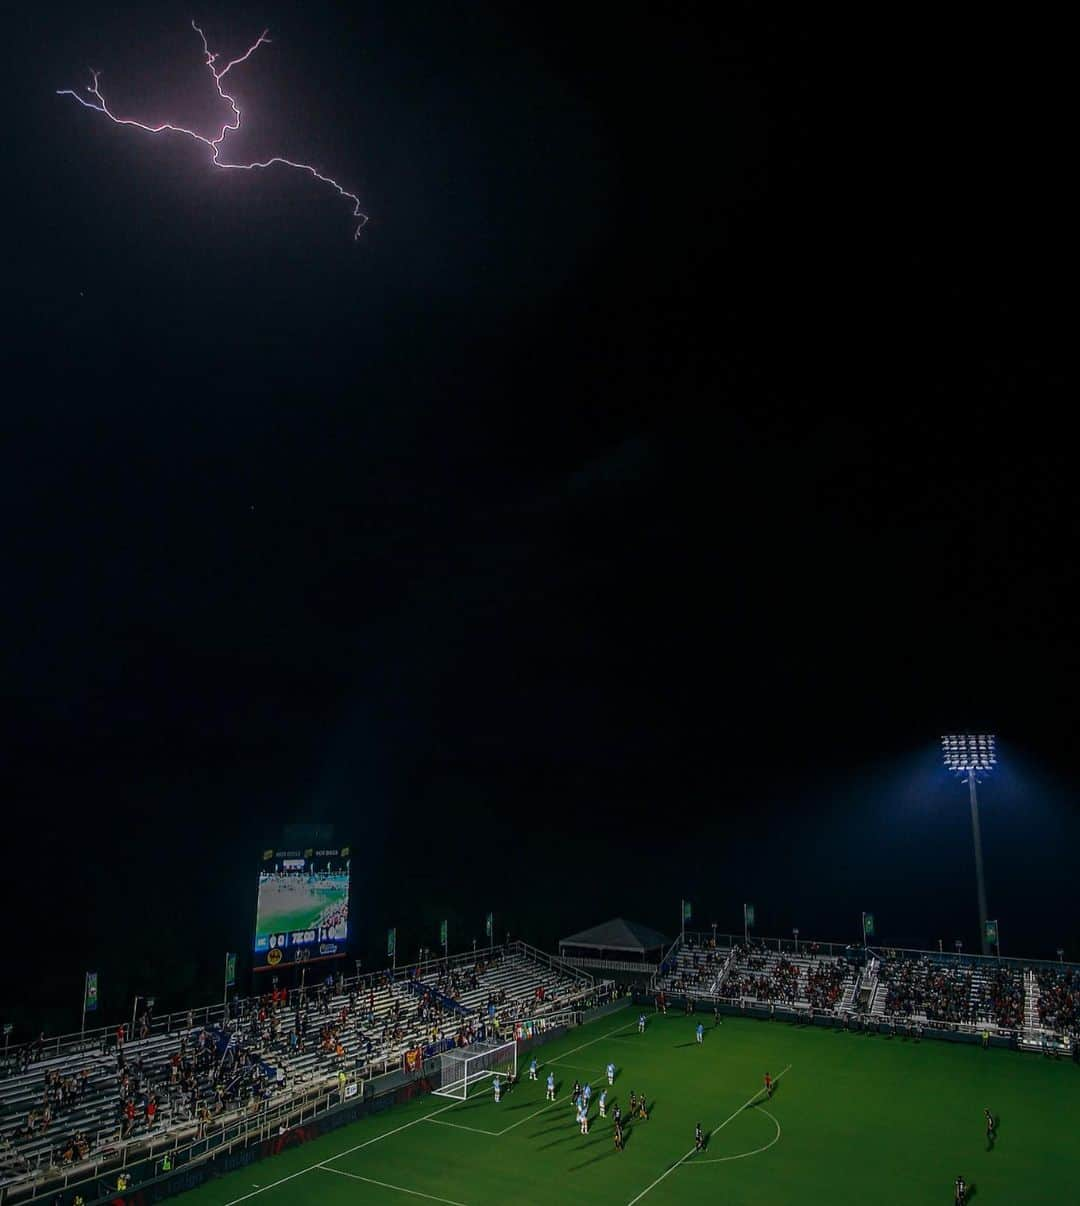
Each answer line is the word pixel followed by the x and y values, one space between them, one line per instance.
pixel 274 957
pixel 327 948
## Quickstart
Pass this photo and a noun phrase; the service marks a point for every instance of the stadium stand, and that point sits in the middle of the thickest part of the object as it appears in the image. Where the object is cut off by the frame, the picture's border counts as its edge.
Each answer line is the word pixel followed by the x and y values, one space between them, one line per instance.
pixel 910 988
pixel 1058 1000
pixel 80 1104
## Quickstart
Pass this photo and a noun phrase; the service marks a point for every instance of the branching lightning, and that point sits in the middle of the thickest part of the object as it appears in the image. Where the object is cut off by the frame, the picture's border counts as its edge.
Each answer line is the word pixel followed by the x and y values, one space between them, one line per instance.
pixel 94 100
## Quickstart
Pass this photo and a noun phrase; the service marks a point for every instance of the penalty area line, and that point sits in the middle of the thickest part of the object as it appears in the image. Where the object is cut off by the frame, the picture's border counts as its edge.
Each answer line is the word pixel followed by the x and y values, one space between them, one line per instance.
pixel 460 1126
pixel 682 1159
pixel 742 1155
pixel 416 1193
pixel 348 1152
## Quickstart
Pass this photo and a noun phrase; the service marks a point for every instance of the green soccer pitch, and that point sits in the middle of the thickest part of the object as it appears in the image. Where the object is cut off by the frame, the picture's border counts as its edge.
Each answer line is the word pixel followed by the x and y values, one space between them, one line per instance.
pixel 854 1118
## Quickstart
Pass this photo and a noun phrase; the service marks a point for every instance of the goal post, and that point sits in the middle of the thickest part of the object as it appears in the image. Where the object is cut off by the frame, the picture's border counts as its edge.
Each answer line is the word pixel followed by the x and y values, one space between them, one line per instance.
pixel 465 1070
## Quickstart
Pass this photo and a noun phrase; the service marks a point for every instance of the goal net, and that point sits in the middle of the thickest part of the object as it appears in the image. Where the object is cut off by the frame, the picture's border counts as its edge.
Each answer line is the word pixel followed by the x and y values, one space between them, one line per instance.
pixel 466 1069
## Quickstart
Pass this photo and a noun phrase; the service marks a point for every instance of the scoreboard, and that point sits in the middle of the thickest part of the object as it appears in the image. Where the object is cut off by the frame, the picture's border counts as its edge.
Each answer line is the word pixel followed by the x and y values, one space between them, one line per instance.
pixel 302 909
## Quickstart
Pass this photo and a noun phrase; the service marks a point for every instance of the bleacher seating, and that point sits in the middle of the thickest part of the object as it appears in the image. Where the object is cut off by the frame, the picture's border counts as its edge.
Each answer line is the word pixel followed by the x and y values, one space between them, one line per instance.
pixel 1058 1004
pixel 64 1111
pixel 694 968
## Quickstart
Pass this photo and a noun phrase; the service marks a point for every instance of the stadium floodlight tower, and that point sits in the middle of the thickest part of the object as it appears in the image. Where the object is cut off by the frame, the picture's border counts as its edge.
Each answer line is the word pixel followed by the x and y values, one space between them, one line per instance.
pixel 972 755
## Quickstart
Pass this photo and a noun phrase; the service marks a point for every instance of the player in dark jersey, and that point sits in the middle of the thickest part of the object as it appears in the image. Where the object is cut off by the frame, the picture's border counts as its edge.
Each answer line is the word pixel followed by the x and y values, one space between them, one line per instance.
pixel 768 1085
pixel 633 1103
pixel 699 1138
pixel 991 1129
pixel 961 1191
pixel 618 1136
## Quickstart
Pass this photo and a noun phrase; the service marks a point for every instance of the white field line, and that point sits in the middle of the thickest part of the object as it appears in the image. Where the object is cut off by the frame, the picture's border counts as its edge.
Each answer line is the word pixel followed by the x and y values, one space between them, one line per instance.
pixel 553 1064
pixel 386 1185
pixel 742 1155
pixel 386 1135
pixel 682 1159
pixel 323 1163
pixel 460 1126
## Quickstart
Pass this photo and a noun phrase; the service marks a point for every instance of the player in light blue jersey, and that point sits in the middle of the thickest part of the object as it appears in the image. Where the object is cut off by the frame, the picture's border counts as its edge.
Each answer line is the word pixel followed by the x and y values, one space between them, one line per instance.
pixel 587 1093
pixel 532 1068
pixel 551 1086
pixel 497 1086
pixel 611 1074
pixel 700 1032
pixel 603 1103
pixel 641 1023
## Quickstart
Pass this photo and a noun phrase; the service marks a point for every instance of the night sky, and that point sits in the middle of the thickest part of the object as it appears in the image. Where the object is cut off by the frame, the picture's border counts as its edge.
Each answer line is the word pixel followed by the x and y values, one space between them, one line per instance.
pixel 680 450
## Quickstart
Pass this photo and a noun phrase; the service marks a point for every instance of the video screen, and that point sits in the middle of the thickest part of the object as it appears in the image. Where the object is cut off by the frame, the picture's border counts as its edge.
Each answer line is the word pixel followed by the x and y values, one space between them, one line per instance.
pixel 302 912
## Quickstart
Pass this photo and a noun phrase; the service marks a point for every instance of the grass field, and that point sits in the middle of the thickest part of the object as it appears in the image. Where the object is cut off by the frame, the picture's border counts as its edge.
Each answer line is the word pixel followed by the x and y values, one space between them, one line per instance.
pixel 855 1118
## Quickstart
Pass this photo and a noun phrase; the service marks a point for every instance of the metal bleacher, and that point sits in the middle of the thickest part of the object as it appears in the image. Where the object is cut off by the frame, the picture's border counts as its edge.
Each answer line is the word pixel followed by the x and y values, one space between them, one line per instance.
pixel 62 1108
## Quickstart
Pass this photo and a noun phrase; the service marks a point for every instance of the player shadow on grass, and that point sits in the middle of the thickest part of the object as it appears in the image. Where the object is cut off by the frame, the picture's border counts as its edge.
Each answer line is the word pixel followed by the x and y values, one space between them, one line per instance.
pixel 604 1155
pixel 554 1143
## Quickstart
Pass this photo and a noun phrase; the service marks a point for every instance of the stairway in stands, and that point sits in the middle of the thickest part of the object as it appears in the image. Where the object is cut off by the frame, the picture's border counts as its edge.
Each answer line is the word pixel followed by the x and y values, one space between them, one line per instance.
pixel 1031 1001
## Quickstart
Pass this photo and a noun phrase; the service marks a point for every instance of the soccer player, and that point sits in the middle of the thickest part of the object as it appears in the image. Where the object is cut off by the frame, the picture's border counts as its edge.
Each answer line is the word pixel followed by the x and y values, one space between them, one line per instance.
pixel 551 1086
pixel 633 1103
pixel 961 1191
pixel 532 1068
pixel 603 1103
pixel 497 1086
pixel 700 1032
pixel 618 1137
pixel 641 1023
pixel 576 1092
pixel 617 1115
pixel 991 1129
pixel 768 1085
pixel 587 1093
pixel 582 1117
pixel 643 1112
pixel 699 1138
pixel 716 1015
pixel 611 1074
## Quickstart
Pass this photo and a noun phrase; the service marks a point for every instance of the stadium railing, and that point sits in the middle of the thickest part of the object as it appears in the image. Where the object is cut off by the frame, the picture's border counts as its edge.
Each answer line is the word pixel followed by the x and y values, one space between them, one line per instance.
pixel 1028 1036
pixel 241 1129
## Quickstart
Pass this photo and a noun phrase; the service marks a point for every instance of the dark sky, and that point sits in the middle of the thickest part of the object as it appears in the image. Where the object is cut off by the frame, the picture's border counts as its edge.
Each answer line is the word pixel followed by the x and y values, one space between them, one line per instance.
pixel 680 450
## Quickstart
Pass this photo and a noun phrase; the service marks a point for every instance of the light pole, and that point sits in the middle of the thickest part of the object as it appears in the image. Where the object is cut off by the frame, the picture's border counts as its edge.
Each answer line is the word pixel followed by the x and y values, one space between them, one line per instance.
pixel 971 755
pixel 795 931
pixel 1061 955
pixel 714 935
pixel 959 944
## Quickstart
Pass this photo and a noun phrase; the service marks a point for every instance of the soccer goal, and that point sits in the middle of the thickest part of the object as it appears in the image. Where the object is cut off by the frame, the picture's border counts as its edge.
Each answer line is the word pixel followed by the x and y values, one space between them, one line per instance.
pixel 466 1069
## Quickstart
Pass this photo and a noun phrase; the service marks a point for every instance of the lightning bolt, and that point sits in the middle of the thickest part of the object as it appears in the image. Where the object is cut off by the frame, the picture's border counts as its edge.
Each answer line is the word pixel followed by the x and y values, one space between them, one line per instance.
pixel 97 102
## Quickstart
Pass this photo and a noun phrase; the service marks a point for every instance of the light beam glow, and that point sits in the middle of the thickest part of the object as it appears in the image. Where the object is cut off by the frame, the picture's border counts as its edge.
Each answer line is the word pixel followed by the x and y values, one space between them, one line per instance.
pixel 97 102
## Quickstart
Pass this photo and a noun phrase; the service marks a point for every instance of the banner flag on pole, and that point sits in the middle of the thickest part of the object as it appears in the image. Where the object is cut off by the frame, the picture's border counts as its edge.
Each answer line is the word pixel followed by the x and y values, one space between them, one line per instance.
pixel 230 969
pixel 868 925
pixel 91 992
pixel 992 932
pixel 442 933
pixel 489 924
pixel 748 916
pixel 391 942
pixel 686 910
